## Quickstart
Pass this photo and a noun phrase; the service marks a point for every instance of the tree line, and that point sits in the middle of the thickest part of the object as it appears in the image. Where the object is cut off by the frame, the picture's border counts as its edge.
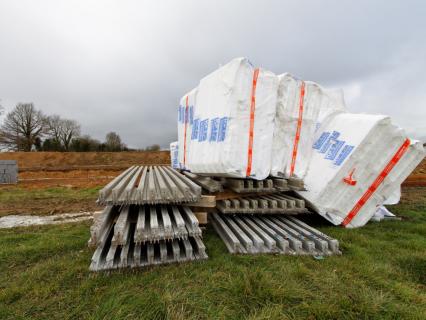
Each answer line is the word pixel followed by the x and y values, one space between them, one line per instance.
pixel 27 129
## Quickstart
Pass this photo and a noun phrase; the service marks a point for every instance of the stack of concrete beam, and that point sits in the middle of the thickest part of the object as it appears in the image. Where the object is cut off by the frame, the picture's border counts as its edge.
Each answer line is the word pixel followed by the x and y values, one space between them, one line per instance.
pixel 136 236
pixel 149 184
pixel 161 230
pixel 255 216
pixel 263 204
pixel 269 185
pixel 268 196
pixel 207 183
pixel 272 234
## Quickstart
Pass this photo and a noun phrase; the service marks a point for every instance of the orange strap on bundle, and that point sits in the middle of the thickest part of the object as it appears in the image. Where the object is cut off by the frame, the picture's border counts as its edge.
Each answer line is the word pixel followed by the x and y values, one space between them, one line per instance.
pixel 251 129
pixel 298 129
pixel 185 119
pixel 376 183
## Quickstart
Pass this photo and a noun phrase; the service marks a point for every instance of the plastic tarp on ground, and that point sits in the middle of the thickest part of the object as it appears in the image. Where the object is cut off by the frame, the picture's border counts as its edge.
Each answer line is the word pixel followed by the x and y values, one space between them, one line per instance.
pixel 233 122
pixel 301 107
pixel 358 162
pixel 185 122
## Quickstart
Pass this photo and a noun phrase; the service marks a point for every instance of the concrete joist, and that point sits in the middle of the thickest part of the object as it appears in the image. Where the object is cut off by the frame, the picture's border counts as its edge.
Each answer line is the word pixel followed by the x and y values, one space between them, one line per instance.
pixel 272 234
pixel 269 185
pixel 134 236
pixel 265 204
pixel 208 183
pixel 131 255
pixel 249 185
pixel 296 184
pixel 151 223
pixel 149 185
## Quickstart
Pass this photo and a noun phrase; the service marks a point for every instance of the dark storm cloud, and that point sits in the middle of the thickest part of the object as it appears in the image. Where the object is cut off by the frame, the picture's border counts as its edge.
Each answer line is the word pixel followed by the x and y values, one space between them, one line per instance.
pixel 123 65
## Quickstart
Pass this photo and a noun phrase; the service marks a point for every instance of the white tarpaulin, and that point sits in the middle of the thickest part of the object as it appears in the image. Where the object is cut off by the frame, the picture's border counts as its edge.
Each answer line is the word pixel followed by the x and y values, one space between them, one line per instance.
pixel 301 107
pixel 174 155
pixel 358 162
pixel 185 121
pixel 382 213
pixel 233 122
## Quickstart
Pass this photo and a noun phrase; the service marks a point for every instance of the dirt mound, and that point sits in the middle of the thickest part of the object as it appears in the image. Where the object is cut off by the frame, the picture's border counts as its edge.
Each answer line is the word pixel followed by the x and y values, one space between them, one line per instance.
pixel 418 177
pixel 421 169
pixel 29 161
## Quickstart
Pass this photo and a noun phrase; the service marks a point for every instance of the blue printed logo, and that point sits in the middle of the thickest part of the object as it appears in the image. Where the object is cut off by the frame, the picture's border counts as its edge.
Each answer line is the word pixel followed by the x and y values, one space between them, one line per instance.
pixel 223 124
pixel 175 163
pixel 194 133
pixel 331 139
pixel 180 114
pixel 191 114
pixel 217 132
pixel 319 143
pixel 214 124
pixel 343 155
pixel 329 145
pixel 334 149
pixel 204 125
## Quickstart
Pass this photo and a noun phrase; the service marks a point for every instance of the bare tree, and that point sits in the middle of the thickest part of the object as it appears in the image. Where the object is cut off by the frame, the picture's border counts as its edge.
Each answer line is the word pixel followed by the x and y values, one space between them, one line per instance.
pixel 113 142
pixel 62 131
pixel 23 126
pixel 54 125
pixel 70 130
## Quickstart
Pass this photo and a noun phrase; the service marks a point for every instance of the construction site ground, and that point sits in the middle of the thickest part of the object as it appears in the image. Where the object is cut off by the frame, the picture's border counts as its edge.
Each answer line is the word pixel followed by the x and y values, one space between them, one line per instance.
pixel 45 268
pixel 56 182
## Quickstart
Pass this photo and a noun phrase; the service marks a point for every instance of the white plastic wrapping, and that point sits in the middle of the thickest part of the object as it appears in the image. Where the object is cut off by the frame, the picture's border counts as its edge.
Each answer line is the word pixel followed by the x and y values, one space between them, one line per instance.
pixel 174 155
pixel 301 107
pixel 234 122
pixel 185 121
pixel 358 162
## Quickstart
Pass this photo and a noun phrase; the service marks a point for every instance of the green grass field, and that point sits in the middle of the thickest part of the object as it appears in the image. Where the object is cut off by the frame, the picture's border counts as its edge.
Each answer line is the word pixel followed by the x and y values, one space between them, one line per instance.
pixel 381 274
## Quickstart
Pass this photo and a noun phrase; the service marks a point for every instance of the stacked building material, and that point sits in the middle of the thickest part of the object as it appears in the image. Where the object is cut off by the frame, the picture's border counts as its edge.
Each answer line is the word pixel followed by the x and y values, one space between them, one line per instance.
pixel 254 216
pixel 272 234
pixel 264 204
pixel 186 112
pixel 362 160
pixel 174 155
pixel 247 123
pixel 268 185
pixel 149 184
pixel 146 221
pixel 232 123
pixel 301 107
pixel 257 219
pixel 207 183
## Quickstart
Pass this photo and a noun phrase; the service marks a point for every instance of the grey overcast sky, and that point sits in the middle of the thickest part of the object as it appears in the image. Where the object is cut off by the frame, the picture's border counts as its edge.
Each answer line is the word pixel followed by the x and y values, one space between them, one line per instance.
pixel 123 65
